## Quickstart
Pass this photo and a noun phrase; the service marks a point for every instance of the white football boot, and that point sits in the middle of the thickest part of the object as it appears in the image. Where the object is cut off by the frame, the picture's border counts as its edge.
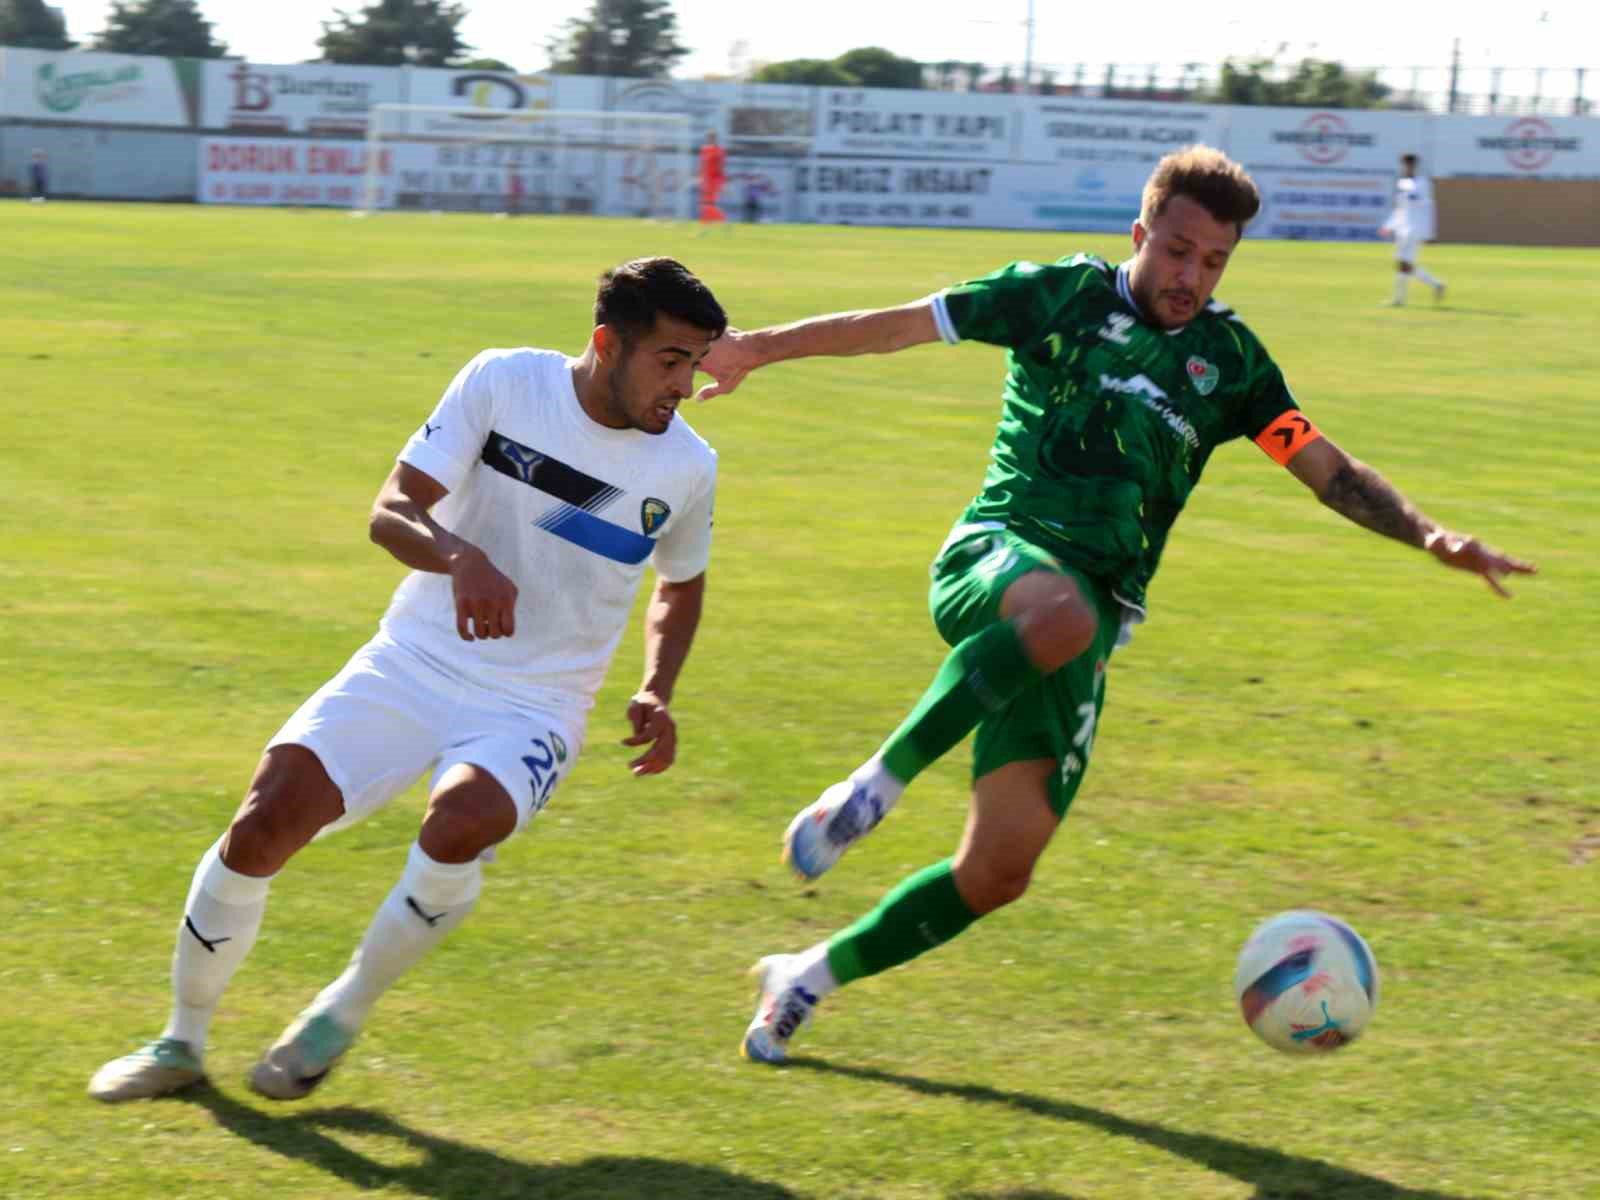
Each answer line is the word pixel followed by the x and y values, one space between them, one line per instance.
pixel 782 1007
pixel 828 826
pixel 302 1057
pixel 164 1066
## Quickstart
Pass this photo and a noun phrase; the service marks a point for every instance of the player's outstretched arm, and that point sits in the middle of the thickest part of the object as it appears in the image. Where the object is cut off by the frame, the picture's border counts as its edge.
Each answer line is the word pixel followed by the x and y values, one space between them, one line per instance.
pixel 486 601
pixel 669 624
pixel 870 331
pixel 1357 492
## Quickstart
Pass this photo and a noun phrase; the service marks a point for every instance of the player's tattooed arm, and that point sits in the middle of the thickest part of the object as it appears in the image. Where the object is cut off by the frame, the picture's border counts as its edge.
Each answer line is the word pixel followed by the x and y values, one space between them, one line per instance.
pixel 1360 494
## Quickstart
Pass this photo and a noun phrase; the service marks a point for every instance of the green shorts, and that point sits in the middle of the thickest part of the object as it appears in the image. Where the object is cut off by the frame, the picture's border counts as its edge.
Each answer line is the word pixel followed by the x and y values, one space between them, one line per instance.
pixel 1056 717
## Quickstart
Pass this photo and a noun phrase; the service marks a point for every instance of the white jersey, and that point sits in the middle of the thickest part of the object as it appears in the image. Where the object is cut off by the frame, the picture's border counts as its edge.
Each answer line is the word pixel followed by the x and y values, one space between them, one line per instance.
pixel 1412 217
pixel 568 509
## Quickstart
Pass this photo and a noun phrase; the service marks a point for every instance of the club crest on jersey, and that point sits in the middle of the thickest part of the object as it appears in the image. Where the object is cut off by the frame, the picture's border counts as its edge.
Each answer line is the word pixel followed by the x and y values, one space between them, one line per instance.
pixel 653 514
pixel 559 746
pixel 1203 375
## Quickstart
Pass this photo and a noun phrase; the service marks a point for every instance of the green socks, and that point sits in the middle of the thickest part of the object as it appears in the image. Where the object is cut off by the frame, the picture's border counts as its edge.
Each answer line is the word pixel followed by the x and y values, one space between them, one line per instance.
pixel 924 911
pixel 980 676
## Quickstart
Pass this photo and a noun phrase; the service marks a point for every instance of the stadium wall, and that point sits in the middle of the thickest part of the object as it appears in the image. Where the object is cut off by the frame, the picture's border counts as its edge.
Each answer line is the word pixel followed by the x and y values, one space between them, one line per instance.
pixel 135 127
pixel 1519 212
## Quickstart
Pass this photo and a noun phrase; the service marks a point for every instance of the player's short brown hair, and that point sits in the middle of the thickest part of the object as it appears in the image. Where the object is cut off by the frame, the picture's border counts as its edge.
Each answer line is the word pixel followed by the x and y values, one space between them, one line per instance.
pixel 630 297
pixel 1208 177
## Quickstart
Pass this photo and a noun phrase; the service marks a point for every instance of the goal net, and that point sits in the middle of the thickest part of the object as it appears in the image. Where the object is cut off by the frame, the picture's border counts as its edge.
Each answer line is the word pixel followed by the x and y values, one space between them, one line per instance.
pixel 522 162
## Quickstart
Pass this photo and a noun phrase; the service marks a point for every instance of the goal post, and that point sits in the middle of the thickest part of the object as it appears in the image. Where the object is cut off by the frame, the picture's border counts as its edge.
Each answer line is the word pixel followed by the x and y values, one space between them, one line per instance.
pixel 528 161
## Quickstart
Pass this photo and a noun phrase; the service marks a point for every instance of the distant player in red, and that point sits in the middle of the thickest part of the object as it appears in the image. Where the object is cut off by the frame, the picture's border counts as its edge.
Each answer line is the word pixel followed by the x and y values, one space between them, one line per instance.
pixel 713 174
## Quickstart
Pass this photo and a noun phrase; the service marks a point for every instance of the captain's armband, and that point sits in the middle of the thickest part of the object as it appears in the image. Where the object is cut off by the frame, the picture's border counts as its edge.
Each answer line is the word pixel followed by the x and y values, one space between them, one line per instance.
pixel 1291 433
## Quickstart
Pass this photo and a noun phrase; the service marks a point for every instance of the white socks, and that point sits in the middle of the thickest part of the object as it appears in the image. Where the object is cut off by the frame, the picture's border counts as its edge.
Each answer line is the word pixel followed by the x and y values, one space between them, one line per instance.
pixel 430 900
pixel 1400 287
pixel 811 971
pixel 1432 281
pixel 878 782
pixel 220 922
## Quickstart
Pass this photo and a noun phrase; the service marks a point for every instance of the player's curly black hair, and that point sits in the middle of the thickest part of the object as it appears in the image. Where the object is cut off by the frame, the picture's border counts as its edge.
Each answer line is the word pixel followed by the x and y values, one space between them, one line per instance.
pixel 632 295
pixel 1207 176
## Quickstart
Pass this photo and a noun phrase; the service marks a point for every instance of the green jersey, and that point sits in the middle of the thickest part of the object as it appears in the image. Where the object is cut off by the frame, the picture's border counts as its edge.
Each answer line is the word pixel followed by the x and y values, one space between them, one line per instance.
pixel 1106 421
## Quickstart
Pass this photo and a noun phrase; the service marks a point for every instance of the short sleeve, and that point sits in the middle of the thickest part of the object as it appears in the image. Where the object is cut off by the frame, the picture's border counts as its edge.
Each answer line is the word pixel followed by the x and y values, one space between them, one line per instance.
pixel 684 550
pixel 1267 400
pixel 451 440
pixel 1009 307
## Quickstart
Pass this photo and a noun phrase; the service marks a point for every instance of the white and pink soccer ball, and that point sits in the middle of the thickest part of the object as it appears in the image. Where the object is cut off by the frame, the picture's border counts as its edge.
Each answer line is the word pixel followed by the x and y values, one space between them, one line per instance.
pixel 1306 982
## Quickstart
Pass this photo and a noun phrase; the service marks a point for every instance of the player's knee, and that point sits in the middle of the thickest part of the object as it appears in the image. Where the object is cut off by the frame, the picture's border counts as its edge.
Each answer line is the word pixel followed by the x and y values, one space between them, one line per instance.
pixel 1057 631
pixel 463 822
pixel 1404 268
pixel 290 799
pixel 990 884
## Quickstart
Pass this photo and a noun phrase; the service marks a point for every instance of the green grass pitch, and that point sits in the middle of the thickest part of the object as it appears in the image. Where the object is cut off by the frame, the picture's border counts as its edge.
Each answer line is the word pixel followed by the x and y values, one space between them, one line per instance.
pixel 199 405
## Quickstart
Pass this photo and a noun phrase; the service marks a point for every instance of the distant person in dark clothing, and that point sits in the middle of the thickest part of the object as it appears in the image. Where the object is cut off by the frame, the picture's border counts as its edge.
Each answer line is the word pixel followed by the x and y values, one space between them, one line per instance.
pixel 38 177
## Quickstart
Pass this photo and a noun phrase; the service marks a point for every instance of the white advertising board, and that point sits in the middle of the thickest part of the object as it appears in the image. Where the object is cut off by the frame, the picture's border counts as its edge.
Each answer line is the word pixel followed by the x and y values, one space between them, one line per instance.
pixel 502 90
pixel 885 122
pixel 1517 147
pixel 966 195
pixel 99 89
pixel 317 98
pixel 1111 135
pixel 1300 139
pixel 286 171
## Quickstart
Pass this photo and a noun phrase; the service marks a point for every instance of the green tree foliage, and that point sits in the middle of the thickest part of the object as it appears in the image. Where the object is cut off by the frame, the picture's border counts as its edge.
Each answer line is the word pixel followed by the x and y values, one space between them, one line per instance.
pixel 1313 83
pixel 866 66
pixel 634 39
pixel 33 24
pixel 172 28
pixel 381 34
pixel 816 72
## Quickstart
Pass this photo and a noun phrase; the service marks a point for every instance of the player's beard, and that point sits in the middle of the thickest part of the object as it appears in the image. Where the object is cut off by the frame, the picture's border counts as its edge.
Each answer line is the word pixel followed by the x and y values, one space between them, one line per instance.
pixel 619 386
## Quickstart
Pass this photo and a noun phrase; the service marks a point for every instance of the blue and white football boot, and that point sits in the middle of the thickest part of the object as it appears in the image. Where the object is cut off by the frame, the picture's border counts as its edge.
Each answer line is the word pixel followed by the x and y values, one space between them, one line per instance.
pixel 782 1007
pixel 830 825
pixel 164 1066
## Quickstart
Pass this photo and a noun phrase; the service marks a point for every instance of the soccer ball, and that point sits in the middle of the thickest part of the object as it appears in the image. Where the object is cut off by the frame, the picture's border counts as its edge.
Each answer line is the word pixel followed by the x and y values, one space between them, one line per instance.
pixel 1306 982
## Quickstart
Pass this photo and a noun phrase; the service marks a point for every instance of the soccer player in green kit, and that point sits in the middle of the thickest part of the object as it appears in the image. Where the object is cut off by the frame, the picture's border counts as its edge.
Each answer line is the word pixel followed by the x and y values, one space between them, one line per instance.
pixel 1120 383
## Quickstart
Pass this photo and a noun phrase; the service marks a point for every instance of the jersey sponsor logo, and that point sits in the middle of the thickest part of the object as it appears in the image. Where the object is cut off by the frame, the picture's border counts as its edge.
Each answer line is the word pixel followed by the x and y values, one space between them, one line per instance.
pixel 581 496
pixel 1202 374
pixel 653 514
pixel 1153 398
pixel 559 745
pixel 1117 327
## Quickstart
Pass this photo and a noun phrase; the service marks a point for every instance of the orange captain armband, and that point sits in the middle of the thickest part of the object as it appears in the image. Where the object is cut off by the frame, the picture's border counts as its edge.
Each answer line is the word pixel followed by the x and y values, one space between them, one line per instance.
pixel 1291 433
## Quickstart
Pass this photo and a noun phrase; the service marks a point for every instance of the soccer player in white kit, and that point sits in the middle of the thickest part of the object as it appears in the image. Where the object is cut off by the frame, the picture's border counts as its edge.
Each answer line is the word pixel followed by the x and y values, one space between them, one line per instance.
pixel 528 504
pixel 1410 224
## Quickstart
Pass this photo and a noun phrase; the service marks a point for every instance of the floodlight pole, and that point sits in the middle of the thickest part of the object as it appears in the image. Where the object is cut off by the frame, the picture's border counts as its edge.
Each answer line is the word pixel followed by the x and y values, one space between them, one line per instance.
pixel 1027 50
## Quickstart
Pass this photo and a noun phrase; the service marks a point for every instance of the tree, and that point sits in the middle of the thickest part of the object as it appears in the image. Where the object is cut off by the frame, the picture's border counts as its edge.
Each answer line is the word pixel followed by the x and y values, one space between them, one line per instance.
pixel 392 32
pixel 873 66
pixel 486 64
pixel 171 28
pixel 1313 83
pixel 33 24
pixel 867 66
pixel 814 72
pixel 635 39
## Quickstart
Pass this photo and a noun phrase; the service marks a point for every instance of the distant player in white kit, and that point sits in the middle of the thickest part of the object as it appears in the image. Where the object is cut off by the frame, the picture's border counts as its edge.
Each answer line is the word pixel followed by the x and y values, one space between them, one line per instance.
pixel 1410 224
pixel 527 503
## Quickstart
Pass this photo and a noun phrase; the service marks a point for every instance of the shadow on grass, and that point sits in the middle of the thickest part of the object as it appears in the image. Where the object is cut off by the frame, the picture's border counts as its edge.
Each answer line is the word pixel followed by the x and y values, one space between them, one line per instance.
pixel 452 1170
pixel 1275 1175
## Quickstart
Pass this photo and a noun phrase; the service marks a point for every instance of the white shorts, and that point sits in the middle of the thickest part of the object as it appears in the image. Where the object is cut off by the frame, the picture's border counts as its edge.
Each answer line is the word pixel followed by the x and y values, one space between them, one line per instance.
pixel 389 715
pixel 1406 246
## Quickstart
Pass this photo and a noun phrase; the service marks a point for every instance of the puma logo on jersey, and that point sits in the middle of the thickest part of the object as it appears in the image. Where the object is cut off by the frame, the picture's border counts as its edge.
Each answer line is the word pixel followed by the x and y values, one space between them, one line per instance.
pixel 1117 327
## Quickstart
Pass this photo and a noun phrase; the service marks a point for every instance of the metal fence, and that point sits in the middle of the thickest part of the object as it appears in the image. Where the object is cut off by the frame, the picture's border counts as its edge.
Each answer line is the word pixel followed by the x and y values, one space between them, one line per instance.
pixel 1476 91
